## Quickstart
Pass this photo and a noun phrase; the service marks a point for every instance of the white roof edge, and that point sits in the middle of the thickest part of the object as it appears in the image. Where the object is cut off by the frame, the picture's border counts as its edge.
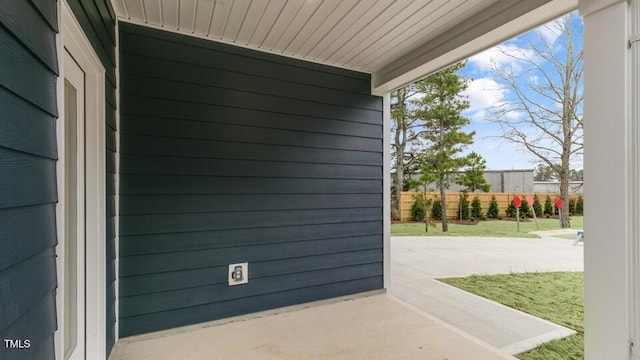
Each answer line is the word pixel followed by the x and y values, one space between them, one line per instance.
pixel 588 7
pixel 426 60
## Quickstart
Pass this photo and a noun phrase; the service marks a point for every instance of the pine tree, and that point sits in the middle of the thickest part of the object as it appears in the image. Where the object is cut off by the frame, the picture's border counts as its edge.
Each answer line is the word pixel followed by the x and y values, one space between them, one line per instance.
pixel 463 207
pixel 441 108
pixel 493 211
pixel 436 209
pixel 536 205
pixel 548 208
pixel 473 176
pixel 476 209
pixel 417 209
pixel 572 206
pixel 580 205
pixel 511 210
pixel 525 209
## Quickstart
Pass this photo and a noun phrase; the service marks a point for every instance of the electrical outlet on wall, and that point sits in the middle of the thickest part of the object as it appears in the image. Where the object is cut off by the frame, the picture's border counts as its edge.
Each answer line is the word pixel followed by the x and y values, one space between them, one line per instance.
pixel 238 274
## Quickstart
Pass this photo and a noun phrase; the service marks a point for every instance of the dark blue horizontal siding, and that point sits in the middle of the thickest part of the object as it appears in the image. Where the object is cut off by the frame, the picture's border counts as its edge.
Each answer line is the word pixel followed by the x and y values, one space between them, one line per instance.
pixel 230 155
pixel 212 77
pixel 24 74
pixel 175 47
pixel 168 300
pixel 49 11
pixel 28 153
pixel 209 95
pixel 26 23
pixel 186 129
pixel 158 108
pixel 34 317
pixel 176 204
pixel 176 223
pixel 182 184
pixel 98 21
pixel 26 128
pixel 149 244
pixel 27 179
pixel 172 165
pixel 34 325
pixel 189 147
pixel 36 223
pixel 193 259
pixel 191 278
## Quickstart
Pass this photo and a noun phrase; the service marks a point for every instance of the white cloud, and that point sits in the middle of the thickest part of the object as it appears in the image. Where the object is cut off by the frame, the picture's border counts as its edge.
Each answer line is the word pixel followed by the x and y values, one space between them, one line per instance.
pixel 550 31
pixel 501 57
pixel 483 94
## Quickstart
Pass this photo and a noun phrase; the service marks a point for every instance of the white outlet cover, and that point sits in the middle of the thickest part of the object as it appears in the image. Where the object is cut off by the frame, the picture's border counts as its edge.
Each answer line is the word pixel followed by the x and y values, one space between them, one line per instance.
pixel 243 268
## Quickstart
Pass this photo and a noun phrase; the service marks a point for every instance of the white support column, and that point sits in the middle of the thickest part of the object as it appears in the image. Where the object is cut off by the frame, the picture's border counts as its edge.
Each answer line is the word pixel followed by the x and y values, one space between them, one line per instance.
pixel 609 182
pixel 386 188
pixel 634 44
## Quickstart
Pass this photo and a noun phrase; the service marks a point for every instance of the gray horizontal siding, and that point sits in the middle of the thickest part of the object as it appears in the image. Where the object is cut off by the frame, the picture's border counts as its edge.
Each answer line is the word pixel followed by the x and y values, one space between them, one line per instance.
pixel 98 21
pixel 28 154
pixel 230 155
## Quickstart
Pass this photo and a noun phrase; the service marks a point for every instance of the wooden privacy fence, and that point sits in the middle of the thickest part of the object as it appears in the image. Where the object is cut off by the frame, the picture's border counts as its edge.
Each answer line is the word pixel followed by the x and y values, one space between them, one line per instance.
pixel 452 198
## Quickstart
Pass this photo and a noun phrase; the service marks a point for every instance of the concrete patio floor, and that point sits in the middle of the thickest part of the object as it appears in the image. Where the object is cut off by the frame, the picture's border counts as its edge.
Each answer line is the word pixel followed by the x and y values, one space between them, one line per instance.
pixel 372 327
pixel 417 261
pixel 421 318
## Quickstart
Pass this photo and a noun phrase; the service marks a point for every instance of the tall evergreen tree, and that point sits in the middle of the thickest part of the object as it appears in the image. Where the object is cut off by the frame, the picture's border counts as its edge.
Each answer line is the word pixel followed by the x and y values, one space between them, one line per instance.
pixel 473 177
pixel 493 211
pixel 463 207
pixel 548 208
pixel 476 209
pixel 441 109
pixel 525 209
pixel 537 207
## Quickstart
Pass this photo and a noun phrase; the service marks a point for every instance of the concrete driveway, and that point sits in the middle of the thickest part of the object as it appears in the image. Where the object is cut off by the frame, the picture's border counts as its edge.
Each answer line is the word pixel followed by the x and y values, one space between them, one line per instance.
pixel 417 261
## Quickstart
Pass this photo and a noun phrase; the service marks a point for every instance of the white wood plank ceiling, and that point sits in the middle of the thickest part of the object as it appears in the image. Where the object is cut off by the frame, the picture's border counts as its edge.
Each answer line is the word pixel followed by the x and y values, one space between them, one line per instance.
pixel 363 35
pixel 373 36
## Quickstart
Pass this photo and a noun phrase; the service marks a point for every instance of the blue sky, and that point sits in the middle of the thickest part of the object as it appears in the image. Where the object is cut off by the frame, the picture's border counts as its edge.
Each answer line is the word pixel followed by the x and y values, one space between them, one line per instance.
pixel 485 91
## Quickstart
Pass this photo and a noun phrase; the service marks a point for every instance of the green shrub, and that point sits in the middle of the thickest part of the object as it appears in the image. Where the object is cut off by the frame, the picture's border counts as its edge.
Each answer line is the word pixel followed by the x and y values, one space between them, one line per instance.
pixel 572 206
pixel 580 205
pixel 436 209
pixel 510 211
pixel 493 211
pixel 463 207
pixel 548 208
pixel 417 209
pixel 525 209
pixel 476 209
pixel 537 207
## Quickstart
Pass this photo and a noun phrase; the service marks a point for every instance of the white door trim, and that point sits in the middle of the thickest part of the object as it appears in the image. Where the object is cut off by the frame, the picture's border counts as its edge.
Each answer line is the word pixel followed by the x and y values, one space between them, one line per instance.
pixel 76 43
pixel 75 76
pixel 386 189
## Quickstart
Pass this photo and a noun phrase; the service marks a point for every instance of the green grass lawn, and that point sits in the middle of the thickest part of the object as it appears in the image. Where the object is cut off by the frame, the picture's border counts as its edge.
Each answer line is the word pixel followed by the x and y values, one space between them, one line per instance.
pixel 483 228
pixel 557 297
